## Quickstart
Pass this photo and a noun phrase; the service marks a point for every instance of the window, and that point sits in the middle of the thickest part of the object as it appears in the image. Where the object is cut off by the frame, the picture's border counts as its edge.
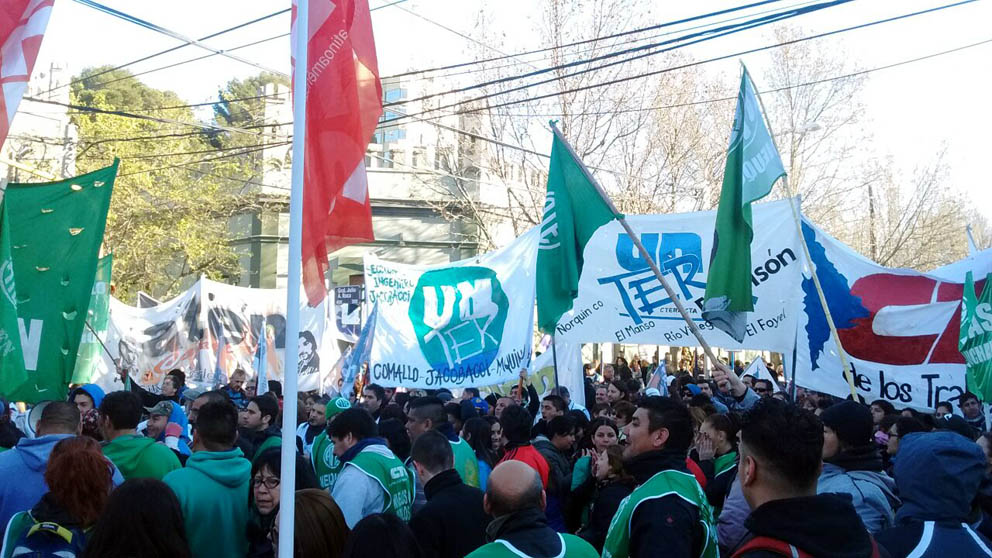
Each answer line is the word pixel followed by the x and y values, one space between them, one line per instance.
pixel 395 94
pixel 387 160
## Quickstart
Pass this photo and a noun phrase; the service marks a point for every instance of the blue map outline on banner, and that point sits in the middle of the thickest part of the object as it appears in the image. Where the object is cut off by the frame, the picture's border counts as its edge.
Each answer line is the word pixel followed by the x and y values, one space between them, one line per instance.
pixel 844 307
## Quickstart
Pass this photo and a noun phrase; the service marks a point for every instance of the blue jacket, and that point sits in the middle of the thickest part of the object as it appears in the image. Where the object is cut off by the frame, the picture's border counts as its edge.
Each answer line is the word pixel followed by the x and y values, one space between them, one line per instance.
pixel 873 493
pixel 938 475
pixel 22 474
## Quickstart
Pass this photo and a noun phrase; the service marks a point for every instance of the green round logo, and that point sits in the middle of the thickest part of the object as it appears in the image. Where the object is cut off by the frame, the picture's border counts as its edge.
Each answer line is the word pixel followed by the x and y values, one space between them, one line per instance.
pixel 458 315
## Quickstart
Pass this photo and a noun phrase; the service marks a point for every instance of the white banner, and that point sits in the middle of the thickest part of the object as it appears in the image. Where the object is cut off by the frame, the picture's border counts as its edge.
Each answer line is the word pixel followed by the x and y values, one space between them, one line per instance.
pixel 541 374
pixel 212 329
pixel 899 327
pixel 621 301
pixel 468 323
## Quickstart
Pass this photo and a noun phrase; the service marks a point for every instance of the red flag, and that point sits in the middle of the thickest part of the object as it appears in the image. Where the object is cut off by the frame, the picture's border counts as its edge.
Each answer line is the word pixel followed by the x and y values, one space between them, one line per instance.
pixel 22 26
pixel 344 103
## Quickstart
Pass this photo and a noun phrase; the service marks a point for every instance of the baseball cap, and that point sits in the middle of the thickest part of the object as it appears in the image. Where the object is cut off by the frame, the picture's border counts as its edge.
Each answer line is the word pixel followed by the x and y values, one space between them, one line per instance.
pixel 162 408
pixel 335 406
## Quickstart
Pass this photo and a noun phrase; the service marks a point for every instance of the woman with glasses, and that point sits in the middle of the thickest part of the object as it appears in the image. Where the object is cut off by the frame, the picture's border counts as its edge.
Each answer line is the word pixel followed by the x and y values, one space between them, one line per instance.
pixel 264 498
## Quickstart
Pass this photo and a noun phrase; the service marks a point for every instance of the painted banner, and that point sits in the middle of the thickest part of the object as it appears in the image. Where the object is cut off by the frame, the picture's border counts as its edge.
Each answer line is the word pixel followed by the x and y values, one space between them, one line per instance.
pixel 542 374
pixel 212 329
pixel 899 327
pixel 468 323
pixel 621 301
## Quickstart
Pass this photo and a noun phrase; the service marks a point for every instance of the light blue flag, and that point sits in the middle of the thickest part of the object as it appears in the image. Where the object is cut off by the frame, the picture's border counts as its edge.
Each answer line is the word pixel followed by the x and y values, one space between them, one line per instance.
pixel 359 354
pixel 260 364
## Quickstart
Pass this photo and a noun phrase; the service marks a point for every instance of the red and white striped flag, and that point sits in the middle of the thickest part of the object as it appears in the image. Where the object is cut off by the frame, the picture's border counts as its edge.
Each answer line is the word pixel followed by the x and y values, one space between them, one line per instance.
pixel 344 103
pixel 22 26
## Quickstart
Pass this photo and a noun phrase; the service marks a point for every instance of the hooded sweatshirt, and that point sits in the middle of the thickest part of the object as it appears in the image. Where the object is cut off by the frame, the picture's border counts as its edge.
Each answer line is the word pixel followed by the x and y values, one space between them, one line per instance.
pixel 938 475
pixel 213 494
pixel 858 472
pixel 94 391
pixel 140 457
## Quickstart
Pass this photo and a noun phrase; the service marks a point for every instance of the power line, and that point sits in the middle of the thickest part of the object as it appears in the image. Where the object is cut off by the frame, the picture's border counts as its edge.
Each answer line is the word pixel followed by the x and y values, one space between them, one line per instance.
pixel 173 34
pixel 669 69
pixel 585 41
pixel 707 35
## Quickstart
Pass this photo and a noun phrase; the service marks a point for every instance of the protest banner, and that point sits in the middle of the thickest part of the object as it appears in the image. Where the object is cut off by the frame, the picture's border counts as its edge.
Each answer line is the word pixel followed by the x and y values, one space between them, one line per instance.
pixel 90 361
pixel 468 323
pixel 541 374
pixel 621 301
pixel 211 329
pixel 899 328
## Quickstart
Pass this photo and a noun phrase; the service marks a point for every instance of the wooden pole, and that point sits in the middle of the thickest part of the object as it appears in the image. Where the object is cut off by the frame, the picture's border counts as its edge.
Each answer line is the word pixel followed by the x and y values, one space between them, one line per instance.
pixel 693 328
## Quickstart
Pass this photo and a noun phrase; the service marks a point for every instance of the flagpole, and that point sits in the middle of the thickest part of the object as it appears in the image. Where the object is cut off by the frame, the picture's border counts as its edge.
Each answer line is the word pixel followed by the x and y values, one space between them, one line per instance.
pixel 809 260
pixel 287 486
pixel 554 359
pixel 643 251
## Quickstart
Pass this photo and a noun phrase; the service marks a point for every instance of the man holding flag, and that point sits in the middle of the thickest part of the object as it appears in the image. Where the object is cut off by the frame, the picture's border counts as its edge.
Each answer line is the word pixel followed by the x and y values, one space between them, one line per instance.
pixel 753 166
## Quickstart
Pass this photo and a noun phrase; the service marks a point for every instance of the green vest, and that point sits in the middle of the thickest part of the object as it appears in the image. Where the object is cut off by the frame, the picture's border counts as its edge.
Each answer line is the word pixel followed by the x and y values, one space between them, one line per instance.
pixel 466 463
pixel 572 547
pixel 723 463
pixel 392 476
pixel 325 464
pixel 663 483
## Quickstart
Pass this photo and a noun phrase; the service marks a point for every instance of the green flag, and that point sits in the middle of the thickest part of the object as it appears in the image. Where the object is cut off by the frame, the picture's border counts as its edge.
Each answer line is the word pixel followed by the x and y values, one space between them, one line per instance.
pixel 50 238
pixel 90 346
pixel 753 166
pixel 975 337
pixel 573 210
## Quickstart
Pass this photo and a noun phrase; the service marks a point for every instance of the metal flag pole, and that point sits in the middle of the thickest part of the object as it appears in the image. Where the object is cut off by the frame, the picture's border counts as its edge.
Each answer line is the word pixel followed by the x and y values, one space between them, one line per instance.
pixel 644 253
pixel 554 359
pixel 287 486
pixel 809 260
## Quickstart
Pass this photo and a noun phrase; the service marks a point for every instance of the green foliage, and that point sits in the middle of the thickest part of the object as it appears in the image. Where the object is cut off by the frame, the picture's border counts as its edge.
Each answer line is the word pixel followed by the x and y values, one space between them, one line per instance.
pixel 177 188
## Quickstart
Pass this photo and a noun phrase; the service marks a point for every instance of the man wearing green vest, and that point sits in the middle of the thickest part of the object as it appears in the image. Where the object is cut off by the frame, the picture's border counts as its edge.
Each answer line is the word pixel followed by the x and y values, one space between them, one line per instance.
pixel 325 464
pixel 259 422
pixel 372 480
pixel 667 515
pixel 515 498
pixel 427 413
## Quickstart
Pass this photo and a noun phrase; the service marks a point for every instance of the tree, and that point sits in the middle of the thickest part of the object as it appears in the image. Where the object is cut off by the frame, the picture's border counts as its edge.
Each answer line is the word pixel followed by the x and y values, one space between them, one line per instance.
pixel 175 190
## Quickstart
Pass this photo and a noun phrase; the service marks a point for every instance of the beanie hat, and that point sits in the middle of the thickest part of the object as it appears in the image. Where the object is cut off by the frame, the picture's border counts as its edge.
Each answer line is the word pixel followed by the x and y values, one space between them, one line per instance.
pixel 335 406
pixel 850 421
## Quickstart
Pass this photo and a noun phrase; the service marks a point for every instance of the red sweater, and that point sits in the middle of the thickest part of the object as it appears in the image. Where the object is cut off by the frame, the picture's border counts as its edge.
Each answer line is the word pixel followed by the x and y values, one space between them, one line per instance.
pixel 529 455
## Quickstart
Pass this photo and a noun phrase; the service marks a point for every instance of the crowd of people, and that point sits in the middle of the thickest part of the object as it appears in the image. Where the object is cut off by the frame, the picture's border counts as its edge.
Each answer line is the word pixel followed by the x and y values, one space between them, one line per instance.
pixel 663 463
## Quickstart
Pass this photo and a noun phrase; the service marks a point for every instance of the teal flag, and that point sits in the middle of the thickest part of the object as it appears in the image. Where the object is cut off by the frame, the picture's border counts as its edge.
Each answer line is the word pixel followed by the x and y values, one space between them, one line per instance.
pixel 753 166
pixel 50 238
pixel 573 210
pixel 975 337
pixel 90 346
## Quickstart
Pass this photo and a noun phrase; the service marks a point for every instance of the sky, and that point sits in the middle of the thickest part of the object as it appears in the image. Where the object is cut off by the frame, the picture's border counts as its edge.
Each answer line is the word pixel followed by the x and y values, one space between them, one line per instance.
pixel 912 111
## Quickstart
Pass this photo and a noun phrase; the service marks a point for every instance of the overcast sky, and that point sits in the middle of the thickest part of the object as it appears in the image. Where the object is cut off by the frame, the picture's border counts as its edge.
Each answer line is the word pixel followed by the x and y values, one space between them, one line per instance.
pixel 912 110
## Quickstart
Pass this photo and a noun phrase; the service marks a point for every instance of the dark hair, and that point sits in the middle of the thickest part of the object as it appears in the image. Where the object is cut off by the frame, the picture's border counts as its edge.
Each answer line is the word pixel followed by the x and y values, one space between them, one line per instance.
pixel 378 390
pixel 600 407
pixel 619 384
pixel 400 398
pixel 383 535
pixel 275 388
pixel 908 425
pixel 433 451
pixel 320 528
pixel 398 439
pixel 217 425
pixel 214 395
pixel 79 478
pixel 355 421
pixel 516 422
pixel 557 401
pixel 271 459
pixel 664 412
pixel 944 404
pixel 153 531
pixel 703 401
pixel 452 409
pixel 624 408
pixel 887 422
pixel 561 426
pixel 580 418
pixel 179 376
pixel 887 408
pixel 424 408
pixel 729 424
pixel 500 505
pixel 479 437
pixel 966 396
pixel 267 407
pixel 771 386
pixel 321 400
pixel 392 411
pixel 787 439
pixel 594 424
pixel 59 416
pixel 122 408
pixel 474 392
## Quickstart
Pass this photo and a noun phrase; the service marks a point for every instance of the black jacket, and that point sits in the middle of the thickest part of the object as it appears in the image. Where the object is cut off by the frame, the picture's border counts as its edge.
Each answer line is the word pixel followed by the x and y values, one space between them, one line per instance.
pixel 666 527
pixel 604 507
pixel 149 399
pixel 824 525
pixel 527 530
pixel 452 523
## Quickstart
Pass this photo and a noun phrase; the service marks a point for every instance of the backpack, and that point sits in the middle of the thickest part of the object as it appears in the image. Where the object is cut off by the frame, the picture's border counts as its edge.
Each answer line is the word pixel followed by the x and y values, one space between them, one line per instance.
pixel 46 539
pixel 782 548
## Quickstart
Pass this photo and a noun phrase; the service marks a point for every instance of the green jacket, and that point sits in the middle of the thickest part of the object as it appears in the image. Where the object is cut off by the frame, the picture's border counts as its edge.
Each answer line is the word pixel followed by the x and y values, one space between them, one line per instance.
pixel 325 464
pixel 213 494
pixel 139 457
pixel 573 547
